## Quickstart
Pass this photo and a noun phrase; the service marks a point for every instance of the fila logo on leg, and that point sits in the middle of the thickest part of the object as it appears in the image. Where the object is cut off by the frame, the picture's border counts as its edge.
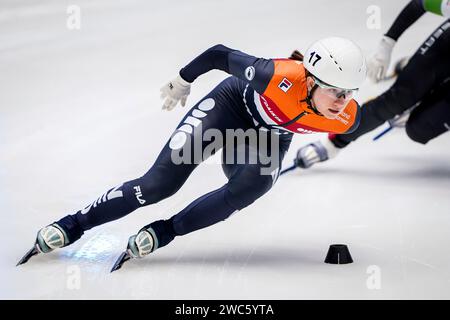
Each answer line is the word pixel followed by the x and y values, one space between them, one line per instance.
pixel 285 85
pixel 138 194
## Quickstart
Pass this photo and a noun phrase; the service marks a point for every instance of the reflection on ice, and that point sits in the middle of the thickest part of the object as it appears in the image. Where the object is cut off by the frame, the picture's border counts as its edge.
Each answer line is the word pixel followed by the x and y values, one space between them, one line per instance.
pixel 98 248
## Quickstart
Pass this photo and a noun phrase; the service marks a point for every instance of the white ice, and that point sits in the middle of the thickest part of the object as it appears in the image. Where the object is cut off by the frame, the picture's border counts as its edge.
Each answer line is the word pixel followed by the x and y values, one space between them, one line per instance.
pixel 80 113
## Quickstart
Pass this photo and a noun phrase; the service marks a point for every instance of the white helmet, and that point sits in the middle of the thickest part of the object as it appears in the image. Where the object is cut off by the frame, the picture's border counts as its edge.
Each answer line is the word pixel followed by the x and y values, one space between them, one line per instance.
pixel 337 62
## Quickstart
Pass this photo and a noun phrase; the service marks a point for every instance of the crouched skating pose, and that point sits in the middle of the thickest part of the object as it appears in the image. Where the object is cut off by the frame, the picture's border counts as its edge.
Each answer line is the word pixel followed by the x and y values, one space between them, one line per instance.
pixel 273 97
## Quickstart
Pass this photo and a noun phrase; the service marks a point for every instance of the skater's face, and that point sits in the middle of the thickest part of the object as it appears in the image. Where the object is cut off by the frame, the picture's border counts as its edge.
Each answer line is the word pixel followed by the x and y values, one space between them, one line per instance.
pixel 327 101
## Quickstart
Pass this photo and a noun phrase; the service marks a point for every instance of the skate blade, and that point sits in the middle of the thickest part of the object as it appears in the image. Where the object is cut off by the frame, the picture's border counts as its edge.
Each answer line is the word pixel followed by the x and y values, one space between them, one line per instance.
pixel 382 133
pixel 32 252
pixel 124 257
pixel 284 171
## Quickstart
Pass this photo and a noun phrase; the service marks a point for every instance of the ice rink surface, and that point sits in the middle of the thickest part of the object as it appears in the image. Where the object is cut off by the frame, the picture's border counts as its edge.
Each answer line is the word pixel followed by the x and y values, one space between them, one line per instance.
pixel 80 113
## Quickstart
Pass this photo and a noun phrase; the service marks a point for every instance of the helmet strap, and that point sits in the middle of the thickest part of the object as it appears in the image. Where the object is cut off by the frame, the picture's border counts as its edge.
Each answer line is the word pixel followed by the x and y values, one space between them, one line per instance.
pixel 308 100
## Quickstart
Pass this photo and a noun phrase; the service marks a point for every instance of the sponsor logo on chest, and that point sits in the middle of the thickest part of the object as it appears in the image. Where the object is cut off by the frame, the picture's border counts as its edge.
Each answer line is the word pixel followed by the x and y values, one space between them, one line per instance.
pixel 305 131
pixel 344 118
pixel 270 110
pixel 285 85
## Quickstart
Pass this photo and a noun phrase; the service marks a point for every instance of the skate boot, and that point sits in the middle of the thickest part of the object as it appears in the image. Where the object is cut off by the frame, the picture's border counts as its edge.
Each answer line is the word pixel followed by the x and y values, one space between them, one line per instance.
pixel 139 245
pixel 47 239
pixel 315 152
pixel 142 243
pixel 151 237
pixel 51 237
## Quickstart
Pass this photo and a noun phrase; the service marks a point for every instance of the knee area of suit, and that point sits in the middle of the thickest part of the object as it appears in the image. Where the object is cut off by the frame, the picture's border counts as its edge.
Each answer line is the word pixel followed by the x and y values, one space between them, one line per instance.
pixel 416 134
pixel 393 102
pixel 240 195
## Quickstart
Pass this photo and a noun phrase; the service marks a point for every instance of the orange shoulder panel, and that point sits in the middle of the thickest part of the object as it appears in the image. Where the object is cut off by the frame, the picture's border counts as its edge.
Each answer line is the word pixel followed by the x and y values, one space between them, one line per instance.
pixel 287 86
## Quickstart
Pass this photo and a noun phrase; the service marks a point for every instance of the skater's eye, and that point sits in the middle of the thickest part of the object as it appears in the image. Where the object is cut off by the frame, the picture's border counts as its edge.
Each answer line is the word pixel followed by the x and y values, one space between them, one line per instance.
pixel 335 91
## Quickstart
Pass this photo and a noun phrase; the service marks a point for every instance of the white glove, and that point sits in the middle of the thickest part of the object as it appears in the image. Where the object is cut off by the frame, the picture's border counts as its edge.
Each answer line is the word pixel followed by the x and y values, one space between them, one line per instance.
pixel 379 63
pixel 174 91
